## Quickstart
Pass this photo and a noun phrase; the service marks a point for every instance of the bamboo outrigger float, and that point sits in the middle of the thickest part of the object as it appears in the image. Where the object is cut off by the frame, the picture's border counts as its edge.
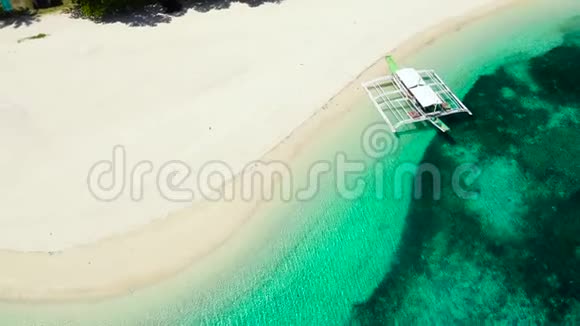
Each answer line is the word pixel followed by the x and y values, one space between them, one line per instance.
pixel 409 96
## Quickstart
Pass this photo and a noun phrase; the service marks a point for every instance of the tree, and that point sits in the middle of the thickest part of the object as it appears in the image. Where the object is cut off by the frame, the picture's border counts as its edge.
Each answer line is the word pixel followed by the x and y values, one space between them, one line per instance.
pixel 97 9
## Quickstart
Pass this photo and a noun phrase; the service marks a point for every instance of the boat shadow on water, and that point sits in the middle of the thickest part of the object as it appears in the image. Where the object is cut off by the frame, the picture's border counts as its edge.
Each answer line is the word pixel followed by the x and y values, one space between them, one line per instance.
pixel 513 253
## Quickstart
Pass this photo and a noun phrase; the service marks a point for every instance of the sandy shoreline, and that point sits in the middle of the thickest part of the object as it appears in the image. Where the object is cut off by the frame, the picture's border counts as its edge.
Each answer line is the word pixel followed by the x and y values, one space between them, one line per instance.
pixel 162 248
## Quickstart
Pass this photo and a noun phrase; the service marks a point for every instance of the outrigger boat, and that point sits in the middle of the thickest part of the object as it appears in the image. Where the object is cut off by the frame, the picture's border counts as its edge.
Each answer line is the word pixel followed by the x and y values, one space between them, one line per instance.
pixel 409 96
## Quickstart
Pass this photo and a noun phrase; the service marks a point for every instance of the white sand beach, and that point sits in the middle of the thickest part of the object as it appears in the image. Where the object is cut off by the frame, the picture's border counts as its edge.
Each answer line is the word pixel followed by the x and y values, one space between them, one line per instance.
pixel 226 85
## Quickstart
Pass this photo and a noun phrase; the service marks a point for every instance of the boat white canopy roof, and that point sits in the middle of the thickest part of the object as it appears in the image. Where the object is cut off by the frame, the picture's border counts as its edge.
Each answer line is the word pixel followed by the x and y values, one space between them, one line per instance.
pixel 426 96
pixel 410 77
pixel 401 105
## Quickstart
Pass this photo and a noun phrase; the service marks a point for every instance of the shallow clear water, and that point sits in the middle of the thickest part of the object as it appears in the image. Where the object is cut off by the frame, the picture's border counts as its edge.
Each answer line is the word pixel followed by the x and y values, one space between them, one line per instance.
pixel 510 254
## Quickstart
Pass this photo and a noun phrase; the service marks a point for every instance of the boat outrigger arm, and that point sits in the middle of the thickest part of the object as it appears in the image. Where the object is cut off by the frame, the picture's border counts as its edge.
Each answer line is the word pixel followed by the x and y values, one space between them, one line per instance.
pixel 409 96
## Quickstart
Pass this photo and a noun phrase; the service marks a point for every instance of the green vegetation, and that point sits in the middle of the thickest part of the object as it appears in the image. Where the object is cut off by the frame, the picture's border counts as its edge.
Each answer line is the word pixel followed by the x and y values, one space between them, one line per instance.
pixel 66 5
pixel 93 9
pixel 17 13
pixel 29 10
pixel 35 37
pixel 97 9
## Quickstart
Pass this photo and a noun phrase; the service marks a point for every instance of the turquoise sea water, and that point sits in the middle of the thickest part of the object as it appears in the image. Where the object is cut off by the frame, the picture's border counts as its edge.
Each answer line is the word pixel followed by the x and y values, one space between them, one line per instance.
pixel 510 254
pixel 513 253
